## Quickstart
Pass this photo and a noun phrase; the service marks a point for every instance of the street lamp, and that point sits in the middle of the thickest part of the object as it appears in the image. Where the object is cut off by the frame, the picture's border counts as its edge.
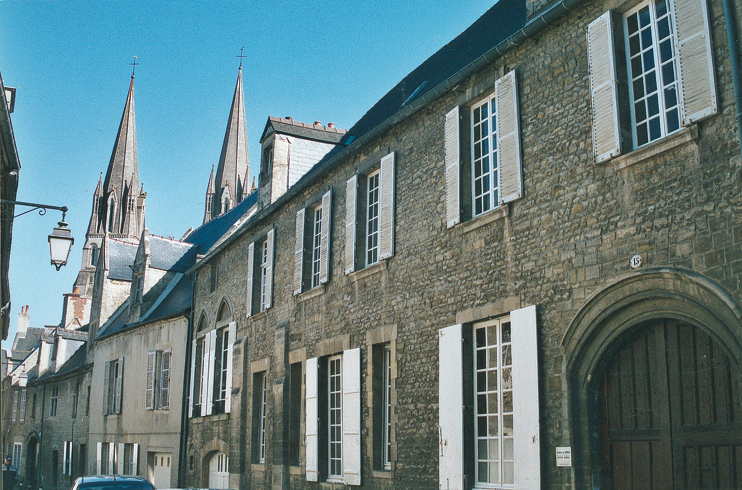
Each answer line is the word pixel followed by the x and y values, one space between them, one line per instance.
pixel 60 240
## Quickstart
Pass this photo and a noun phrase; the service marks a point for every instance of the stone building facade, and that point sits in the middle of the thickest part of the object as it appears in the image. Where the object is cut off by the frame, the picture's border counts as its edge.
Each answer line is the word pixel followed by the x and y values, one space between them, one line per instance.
pixel 434 329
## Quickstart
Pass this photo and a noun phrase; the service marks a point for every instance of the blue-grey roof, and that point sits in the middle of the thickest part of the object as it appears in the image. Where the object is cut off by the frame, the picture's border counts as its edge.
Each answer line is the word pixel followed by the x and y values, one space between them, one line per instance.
pixel 170 255
pixel 206 235
pixel 120 257
pixel 76 361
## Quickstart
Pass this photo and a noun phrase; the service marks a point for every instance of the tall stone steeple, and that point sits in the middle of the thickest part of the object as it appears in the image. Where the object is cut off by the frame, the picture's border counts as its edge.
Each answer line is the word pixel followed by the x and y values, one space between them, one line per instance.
pixel 118 202
pixel 230 185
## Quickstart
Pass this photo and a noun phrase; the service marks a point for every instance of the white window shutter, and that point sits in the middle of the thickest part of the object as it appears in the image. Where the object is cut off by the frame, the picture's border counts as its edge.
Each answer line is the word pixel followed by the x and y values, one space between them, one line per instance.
pixel 205 345
pixel 386 212
pixel 269 272
pixel 69 466
pixel 250 274
pixel 135 459
pixel 98 454
pixel 64 459
pixel 352 416
pixel 121 456
pixel 508 138
pixel 111 458
pixel 149 389
pixel 211 365
pixel 526 425
pixel 324 264
pixel 193 380
pixel 695 66
pixel 450 408
pixel 299 251
pixel 312 443
pixel 453 167
pixel 119 386
pixel 351 201
pixel 106 387
pixel 165 370
pixel 232 329
pixel 603 91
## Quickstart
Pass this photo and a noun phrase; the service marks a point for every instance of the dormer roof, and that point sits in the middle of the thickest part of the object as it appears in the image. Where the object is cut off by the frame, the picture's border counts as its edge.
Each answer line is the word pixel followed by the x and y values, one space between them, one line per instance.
pixel 315 132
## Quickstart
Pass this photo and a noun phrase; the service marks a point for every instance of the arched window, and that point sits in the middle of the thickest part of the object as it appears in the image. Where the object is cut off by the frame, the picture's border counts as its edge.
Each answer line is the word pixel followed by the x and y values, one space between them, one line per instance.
pixel 110 213
pixel 219 471
pixel 94 255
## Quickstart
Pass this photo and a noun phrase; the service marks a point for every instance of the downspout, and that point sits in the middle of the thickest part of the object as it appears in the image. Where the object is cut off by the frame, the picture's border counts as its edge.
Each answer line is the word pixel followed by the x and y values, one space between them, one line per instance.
pixel 186 390
pixel 39 476
pixel 734 58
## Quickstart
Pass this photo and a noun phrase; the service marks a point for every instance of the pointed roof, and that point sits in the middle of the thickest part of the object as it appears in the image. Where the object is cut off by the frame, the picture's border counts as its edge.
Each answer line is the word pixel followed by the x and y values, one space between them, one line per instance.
pixel 123 161
pixel 234 161
pixel 93 225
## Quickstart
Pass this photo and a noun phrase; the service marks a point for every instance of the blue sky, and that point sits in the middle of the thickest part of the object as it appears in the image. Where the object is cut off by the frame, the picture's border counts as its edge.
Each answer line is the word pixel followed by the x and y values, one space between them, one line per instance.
pixel 70 62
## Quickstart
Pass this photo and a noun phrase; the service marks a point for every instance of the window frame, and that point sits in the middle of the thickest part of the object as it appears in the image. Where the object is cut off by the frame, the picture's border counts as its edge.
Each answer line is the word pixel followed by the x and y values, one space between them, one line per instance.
pixel 53 401
pixel 485 155
pixel 260 265
pixel 316 250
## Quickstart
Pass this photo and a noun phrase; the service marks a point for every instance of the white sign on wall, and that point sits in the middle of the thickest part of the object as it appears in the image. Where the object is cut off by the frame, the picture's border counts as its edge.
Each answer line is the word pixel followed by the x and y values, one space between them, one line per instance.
pixel 564 457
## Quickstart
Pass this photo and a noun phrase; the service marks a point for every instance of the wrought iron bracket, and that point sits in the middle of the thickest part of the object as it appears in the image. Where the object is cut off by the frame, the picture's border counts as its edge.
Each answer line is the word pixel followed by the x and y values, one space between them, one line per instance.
pixel 5 205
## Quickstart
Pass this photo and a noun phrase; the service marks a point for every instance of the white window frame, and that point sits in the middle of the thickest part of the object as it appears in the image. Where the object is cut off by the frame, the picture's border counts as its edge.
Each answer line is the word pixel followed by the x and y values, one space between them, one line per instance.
pixel 150 381
pixel 262 401
pixel 260 273
pixel 205 387
pixel 668 114
pixel 386 404
pixel 373 188
pixel 22 408
pixel 54 401
pixel 163 383
pixel 316 246
pixel 264 270
pixel 67 458
pixel 223 343
pixel 335 424
pixel 484 153
pixel 113 385
pixel 17 454
pixel 14 415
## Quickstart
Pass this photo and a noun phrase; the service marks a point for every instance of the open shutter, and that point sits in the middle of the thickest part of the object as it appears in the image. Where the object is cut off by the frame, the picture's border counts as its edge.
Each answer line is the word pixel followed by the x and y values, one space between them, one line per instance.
pixel 106 387
pixel 98 455
pixel 299 250
pixel 149 391
pixel 508 138
pixel 695 66
pixel 205 353
pixel 119 386
pixel 111 458
pixel 69 468
pixel 324 263
pixel 121 457
pixel 64 459
pixel 312 456
pixel 135 459
pixel 351 201
pixel 232 332
pixel 164 396
pixel 193 380
pixel 451 408
pixel 250 274
pixel 525 399
pixel 603 91
pixel 211 365
pixel 386 213
pixel 453 171
pixel 270 244
pixel 352 416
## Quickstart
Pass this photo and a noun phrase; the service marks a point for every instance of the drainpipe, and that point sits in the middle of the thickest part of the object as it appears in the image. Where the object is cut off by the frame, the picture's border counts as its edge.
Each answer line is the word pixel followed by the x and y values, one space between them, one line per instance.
pixel 39 476
pixel 734 58
pixel 186 390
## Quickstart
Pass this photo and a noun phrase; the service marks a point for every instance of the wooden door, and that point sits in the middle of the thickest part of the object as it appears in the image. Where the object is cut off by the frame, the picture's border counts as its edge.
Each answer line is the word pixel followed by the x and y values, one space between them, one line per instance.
pixel 671 413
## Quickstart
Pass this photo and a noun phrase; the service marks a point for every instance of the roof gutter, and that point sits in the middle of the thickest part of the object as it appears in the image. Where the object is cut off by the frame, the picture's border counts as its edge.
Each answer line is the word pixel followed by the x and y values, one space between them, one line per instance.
pixel 543 20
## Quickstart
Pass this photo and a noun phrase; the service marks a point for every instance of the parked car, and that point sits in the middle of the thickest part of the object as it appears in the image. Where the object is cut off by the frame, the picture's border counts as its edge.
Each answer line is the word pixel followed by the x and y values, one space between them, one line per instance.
pixel 112 482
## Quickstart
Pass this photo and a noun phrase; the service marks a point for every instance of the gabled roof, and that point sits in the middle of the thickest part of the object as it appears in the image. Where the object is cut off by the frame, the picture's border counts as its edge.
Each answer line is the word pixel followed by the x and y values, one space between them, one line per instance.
pixel 121 256
pixel 316 132
pixel 170 255
pixel 206 235
pixel 76 361
pixel 24 345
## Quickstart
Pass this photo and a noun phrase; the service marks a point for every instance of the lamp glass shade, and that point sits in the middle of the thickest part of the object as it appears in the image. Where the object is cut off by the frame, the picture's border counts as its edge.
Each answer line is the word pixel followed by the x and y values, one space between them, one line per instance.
pixel 60 243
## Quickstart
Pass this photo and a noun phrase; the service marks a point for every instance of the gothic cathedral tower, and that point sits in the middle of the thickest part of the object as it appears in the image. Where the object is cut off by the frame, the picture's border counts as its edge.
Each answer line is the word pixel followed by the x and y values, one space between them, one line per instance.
pixel 118 203
pixel 232 174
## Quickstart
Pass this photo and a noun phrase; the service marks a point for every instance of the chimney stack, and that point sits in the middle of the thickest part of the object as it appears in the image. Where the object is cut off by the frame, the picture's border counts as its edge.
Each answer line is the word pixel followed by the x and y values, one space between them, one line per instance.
pixel 331 125
pixel 23 322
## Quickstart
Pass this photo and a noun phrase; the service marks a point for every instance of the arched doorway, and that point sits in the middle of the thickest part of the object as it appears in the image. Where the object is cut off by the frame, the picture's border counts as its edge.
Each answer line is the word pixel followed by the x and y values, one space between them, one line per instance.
pixel 219 470
pixel 670 411
pixel 31 473
pixel 641 413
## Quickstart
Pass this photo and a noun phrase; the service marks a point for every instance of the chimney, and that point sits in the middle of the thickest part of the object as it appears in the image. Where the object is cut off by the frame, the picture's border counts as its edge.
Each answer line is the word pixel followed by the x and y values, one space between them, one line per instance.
pixel 23 321
pixel 288 118
pixel 317 123
pixel 331 125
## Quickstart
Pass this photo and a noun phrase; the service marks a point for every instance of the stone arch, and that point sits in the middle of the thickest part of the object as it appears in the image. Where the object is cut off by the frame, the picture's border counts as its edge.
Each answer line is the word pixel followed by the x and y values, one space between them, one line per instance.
pixel 203 322
pixel 224 313
pixel 210 450
pixel 619 308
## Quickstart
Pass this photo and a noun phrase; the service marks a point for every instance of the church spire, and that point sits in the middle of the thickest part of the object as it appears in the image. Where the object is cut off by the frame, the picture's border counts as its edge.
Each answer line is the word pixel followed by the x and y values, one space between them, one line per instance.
pixel 234 162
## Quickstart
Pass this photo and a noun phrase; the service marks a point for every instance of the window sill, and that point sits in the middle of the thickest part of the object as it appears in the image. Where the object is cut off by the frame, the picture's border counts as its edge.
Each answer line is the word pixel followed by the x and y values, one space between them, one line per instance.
pixel 259 315
pixel 388 474
pixel 485 219
pixel 369 271
pixel 199 419
pixel 312 293
pixel 257 467
pixel 658 147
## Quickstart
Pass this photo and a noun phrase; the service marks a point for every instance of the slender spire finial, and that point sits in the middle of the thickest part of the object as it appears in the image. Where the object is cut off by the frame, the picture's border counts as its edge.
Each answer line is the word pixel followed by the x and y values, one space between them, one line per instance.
pixel 134 65
pixel 241 56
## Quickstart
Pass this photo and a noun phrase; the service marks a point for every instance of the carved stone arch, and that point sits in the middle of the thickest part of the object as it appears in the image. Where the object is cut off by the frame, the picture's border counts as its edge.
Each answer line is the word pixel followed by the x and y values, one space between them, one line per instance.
pixel 203 322
pixel 622 307
pixel 212 448
pixel 224 313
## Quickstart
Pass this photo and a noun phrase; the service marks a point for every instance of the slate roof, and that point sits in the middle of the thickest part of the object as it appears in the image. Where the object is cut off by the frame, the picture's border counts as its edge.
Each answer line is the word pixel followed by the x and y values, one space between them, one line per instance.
pixel 29 342
pixel 316 132
pixel 120 256
pixel 169 255
pixel 205 236
pixel 77 360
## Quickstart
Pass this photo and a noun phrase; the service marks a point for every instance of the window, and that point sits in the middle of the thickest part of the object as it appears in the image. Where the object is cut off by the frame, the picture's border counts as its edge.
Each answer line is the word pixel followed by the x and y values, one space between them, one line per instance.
pixel 130 460
pixel 94 255
pixel 382 406
pixel 22 409
pixel 67 458
pixel 157 389
pixel 83 459
pixel 14 414
pixel 113 382
pixel 106 458
pixel 312 245
pixel 75 395
pixel 54 399
pixel 211 370
pixel 17 451
pixel 668 69
pixel 259 416
pixel 482 153
pixel 260 273
pixel 295 439
pixel 488 412
pixel 369 216
pixel 33 407
pixel 87 402
pixel 333 418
